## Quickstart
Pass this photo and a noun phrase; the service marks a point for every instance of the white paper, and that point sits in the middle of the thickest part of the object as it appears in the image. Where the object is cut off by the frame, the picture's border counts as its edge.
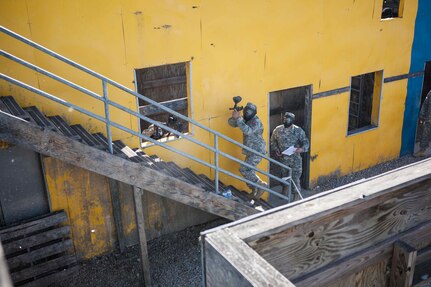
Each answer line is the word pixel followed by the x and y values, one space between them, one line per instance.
pixel 289 151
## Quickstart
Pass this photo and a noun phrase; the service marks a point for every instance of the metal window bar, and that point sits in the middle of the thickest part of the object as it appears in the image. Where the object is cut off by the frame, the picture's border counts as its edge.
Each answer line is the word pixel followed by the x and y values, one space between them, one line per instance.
pixel 108 102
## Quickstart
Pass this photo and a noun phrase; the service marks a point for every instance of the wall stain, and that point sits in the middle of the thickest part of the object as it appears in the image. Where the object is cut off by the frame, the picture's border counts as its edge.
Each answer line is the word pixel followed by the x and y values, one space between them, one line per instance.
pixel 200 23
pixel 166 26
pixel 124 37
pixel 325 178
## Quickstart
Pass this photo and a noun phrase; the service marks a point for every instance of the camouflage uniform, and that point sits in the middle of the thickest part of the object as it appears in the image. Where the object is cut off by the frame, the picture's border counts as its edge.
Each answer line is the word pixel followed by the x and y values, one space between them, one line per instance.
pixel 282 138
pixel 253 139
pixel 425 117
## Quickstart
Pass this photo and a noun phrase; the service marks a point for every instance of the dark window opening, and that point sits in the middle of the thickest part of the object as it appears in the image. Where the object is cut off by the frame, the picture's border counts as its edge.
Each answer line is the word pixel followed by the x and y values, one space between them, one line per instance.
pixel 166 85
pixel 391 9
pixel 364 102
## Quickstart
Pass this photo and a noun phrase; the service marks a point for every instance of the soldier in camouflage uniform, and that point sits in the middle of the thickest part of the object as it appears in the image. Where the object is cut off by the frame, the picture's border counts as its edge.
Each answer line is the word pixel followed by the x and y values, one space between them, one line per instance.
pixel 283 137
pixel 425 125
pixel 252 129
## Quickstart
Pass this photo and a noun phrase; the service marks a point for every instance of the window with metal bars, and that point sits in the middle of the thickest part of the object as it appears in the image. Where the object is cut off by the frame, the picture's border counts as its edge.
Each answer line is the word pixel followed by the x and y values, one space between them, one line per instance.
pixel 364 103
pixel 167 85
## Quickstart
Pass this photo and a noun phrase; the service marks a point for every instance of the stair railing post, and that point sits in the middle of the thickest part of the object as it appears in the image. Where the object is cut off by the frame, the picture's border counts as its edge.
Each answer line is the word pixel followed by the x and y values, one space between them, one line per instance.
pixel 108 120
pixel 290 186
pixel 216 157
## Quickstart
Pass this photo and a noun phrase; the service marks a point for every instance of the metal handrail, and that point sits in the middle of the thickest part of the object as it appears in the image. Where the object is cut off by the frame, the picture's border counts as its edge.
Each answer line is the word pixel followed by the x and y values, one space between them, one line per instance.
pixel 109 123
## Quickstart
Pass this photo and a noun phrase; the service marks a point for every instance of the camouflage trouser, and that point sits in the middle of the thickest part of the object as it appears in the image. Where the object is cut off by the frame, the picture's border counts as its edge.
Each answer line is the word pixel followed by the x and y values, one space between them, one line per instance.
pixel 425 135
pixel 249 173
pixel 295 163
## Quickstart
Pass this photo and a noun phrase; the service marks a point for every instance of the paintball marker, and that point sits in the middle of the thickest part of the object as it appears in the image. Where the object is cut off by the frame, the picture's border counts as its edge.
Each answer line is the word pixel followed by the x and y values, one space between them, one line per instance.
pixel 236 100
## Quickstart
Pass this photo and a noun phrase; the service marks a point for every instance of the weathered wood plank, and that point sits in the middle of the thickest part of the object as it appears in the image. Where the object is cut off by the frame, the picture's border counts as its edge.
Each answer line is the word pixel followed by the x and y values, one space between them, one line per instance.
pixel 424 254
pixel 40 253
pixel 176 105
pixel 371 276
pixel 150 84
pixel 52 278
pixel 308 247
pixel 22 244
pixel 229 261
pixel 55 145
pixel 35 270
pixel 40 223
pixel 116 210
pixel 140 222
pixel 403 265
pixel 382 252
pixel 4 271
pixel 331 202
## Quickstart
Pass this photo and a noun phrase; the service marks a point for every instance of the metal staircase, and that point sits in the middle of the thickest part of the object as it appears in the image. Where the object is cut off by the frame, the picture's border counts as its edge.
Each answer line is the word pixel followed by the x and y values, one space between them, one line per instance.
pixel 117 147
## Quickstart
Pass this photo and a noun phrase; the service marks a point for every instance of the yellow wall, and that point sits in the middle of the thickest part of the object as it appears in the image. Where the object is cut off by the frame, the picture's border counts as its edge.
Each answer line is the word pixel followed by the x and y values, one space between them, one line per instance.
pixel 86 198
pixel 244 47
pixel 86 201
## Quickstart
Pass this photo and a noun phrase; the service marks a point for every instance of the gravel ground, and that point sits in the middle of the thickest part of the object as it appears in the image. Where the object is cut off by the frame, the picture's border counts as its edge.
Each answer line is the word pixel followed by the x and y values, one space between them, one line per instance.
pixel 176 258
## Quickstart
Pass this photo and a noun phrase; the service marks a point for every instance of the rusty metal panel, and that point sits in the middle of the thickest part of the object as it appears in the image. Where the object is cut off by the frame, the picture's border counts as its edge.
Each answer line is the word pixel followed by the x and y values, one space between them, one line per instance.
pixel 22 188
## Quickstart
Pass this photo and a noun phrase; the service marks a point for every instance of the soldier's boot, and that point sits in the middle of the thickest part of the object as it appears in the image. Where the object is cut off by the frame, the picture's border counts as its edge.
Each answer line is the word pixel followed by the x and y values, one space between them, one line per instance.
pixel 421 153
pixel 257 192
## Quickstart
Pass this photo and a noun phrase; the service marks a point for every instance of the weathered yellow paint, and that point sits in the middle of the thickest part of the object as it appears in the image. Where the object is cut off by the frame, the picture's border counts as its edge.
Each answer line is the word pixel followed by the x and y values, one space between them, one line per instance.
pixel 246 48
pixel 375 112
pixel 86 199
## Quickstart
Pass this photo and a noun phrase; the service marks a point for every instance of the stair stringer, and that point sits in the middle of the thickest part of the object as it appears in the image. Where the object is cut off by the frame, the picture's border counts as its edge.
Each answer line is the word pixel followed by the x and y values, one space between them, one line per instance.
pixel 22 133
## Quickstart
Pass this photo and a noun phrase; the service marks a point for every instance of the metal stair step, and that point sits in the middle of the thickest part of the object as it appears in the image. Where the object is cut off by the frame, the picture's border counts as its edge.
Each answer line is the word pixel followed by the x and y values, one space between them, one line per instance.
pixel 101 139
pixel 131 155
pixel 197 179
pixel 156 160
pixel 191 178
pixel 3 107
pixel 211 182
pixel 13 107
pixel 175 172
pixel 147 161
pixel 40 119
pixel 244 197
pixel 65 129
pixel 222 187
pixel 86 136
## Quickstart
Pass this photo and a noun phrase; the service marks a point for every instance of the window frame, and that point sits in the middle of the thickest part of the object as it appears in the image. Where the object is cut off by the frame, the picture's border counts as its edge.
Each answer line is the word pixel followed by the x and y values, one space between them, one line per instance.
pixel 190 113
pixel 400 11
pixel 374 124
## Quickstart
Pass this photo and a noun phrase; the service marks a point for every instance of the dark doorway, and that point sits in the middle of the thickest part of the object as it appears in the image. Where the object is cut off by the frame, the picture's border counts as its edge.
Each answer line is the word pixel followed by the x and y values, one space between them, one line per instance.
pixel 426 87
pixel 22 189
pixel 298 101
